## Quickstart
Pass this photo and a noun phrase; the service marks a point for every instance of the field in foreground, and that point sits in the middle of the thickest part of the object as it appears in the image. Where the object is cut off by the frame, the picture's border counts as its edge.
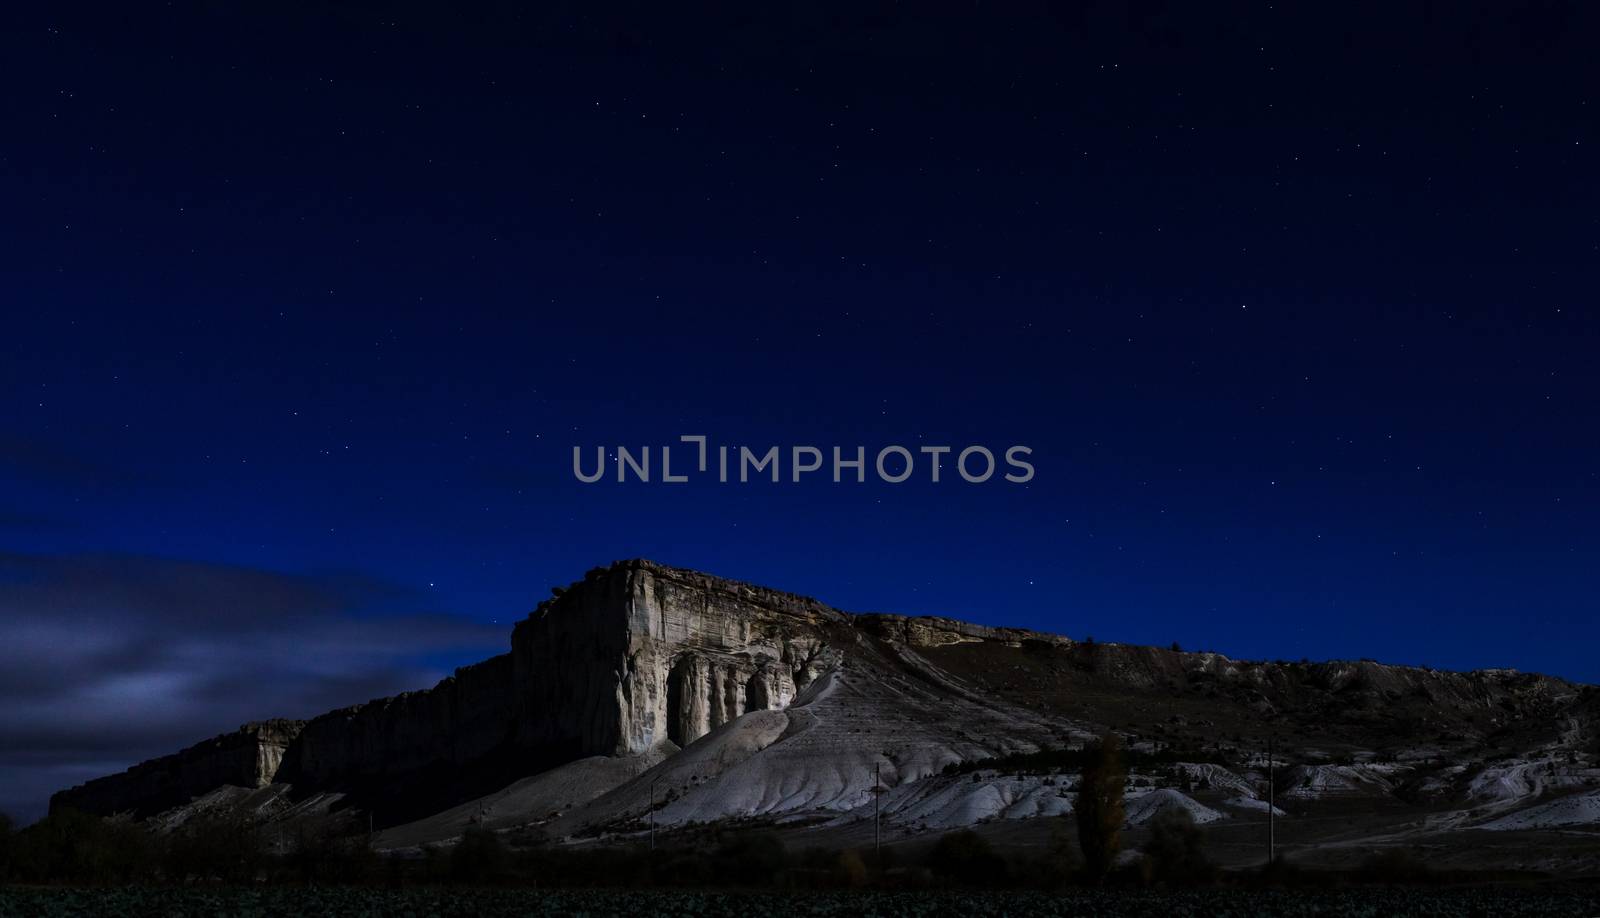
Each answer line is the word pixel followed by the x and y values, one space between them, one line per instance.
pixel 422 903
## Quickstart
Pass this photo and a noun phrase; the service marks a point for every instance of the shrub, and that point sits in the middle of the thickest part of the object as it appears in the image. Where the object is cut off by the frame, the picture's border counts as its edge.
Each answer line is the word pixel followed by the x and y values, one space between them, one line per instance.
pixel 965 858
pixel 480 857
pixel 69 846
pixel 757 859
pixel 852 869
pixel 1175 852
pixel 229 850
pixel 685 867
pixel 322 855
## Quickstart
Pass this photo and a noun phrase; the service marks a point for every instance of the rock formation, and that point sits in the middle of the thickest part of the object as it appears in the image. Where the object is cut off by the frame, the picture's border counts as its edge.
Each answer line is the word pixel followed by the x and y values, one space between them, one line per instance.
pixel 736 701
pixel 248 757
pixel 633 655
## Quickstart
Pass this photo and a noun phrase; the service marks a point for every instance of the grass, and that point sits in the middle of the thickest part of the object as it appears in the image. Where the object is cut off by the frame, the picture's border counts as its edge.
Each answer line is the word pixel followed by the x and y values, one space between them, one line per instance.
pixel 440 902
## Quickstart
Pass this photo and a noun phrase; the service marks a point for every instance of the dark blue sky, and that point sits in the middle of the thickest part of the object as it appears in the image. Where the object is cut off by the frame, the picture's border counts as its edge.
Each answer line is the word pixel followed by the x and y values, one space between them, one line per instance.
pixel 1295 310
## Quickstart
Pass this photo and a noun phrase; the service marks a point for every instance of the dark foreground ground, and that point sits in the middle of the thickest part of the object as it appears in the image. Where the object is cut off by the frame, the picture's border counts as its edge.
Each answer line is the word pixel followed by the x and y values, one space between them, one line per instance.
pixel 341 901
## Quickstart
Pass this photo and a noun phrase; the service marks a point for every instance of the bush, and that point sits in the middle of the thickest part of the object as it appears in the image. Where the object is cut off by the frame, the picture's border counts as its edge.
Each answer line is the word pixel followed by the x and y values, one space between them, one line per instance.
pixel 69 846
pixel 1061 862
pixel 965 858
pixel 322 855
pixel 1284 871
pixel 479 857
pixel 852 869
pixel 229 850
pixel 1175 852
pixel 754 860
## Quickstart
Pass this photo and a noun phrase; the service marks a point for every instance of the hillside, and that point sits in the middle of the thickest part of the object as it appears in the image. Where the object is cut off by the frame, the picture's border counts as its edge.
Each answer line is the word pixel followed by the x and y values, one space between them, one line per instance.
pixel 644 687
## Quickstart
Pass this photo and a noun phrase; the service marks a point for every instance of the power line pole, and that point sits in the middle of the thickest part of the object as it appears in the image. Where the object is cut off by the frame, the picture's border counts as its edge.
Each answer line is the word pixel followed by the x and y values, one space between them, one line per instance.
pixel 1272 803
pixel 877 818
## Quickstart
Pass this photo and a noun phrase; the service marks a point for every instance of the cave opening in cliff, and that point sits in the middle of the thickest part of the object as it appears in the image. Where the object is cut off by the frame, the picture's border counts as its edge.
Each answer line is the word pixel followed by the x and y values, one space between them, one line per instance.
pixel 675 701
pixel 755 694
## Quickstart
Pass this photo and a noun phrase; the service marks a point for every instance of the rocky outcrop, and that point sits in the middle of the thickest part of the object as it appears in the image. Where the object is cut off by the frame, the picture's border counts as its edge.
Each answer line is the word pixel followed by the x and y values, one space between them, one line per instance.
pixel 639 653
pixel 247 757
pixel 640 657
pixel 933 631
pixel 633 655
pixel 465 718
pixel 701 651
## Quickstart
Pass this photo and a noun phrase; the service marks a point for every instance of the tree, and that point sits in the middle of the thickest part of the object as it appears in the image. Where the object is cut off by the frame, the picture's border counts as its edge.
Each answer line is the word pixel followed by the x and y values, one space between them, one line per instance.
pixel 69 846
pixel 7 846
pixel 1175 852
pixel 1099 806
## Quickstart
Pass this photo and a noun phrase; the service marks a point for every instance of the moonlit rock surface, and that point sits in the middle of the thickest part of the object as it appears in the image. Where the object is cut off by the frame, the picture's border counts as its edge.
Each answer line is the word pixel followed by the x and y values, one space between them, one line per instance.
pixel 644 693
pixel 1574 810
pixel 1141 808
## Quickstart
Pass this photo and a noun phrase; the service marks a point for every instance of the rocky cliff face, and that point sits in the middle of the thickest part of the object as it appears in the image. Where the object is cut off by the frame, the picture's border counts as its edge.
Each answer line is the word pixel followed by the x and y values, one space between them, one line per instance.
pixel 247 757
pixel 700 651
pixel 633 655
pixel 642 658
pixel 462 719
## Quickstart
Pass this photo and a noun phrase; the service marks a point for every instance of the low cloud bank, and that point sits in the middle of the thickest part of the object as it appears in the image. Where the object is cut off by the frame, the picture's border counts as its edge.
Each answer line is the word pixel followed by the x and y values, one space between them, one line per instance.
pixel 110 660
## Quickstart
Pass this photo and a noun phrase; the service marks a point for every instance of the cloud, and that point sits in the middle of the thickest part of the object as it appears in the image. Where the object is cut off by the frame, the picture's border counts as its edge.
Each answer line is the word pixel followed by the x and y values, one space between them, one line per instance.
pixel 108 660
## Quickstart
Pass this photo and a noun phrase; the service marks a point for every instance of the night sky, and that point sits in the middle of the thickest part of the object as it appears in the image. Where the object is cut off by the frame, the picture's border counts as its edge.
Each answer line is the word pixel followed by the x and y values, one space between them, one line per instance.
pixel 305 308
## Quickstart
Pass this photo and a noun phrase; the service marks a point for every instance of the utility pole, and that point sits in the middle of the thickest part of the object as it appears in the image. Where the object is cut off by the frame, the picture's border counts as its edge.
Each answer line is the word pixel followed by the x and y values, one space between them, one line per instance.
pixel 877 818
pixel 653 811
pixel 1272 803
